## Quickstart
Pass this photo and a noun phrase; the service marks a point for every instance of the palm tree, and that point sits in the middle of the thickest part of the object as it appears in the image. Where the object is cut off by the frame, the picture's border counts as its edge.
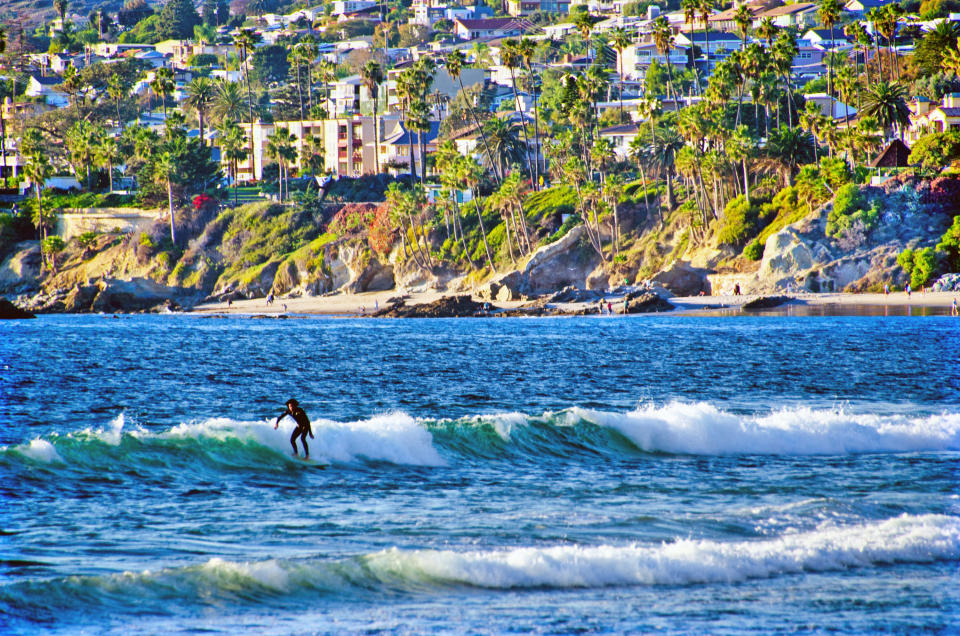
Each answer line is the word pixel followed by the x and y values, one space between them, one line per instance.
pixel 117 90
pixel 663 40
pixel 951 59
pixel 326 73
pixel 166 170
pixel 620 39
pixel 38 170
pixel 233 147
pixel 583 21
pixel 527 49
pixel 200 94
pixel 788 148
pixel 690 9
pixel 829 15
pixel 454 63
pixel 875 16
pixel 470 173
pixel 163 85
pixel 108 153
pixel 767 30
pixel 82 140
pixel 784 50
pixel 887 103
pixel 506 147
pixel 372 74
pixel 889 18
pixel 246 40
pixel 706 8
pixel 810 120
pixel 298 58
pixel 510 56
pixel 228 102
pixel 281 145
pixel 743 18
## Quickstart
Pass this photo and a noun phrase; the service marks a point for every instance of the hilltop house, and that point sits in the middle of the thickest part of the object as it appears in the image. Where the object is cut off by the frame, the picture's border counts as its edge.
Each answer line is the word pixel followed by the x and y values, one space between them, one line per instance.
pixel 489 28
pixel 800 15
pixel 928 117
pixel 45 88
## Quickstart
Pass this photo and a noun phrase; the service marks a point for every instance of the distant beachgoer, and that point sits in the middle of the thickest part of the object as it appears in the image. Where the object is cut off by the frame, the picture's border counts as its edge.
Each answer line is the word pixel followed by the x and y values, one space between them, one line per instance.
pixel 609 308
pixel 736 289
pixel 363 309
pixel 600 306
pixel 376 305
pixel 789 288
pixel 954 310
pixel 284 306
pixel 908 290
pixel 229 302
pixel 303 426
pixel 270 298
pixel 886 289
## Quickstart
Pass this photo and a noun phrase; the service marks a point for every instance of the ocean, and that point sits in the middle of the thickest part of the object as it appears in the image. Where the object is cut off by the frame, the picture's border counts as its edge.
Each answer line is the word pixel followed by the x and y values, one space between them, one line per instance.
pixel 677 474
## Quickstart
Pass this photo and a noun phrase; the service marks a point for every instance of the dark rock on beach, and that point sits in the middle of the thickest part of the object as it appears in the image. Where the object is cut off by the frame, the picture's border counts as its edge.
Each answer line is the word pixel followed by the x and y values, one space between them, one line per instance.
pixel 9 311
pixel 446 307
pixel 645 303
pixel 765 302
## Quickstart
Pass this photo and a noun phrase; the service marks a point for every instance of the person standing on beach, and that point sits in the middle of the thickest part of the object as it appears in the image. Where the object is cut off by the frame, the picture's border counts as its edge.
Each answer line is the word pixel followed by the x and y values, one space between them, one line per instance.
pixel 954 310
pixel 302 429
pixel 908 290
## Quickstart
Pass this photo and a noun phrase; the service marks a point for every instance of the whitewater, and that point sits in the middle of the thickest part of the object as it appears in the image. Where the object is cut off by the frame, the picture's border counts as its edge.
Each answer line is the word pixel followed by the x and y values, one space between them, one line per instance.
pixel 677 474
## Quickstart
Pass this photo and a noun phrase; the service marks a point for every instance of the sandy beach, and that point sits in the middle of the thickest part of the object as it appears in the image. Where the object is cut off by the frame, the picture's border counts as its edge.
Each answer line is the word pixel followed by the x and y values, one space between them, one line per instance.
pixel 358 304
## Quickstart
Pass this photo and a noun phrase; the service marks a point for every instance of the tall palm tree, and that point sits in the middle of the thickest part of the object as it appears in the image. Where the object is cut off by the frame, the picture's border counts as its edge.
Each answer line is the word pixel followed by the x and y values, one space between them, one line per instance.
pixel 407 94
pixel 829 15
pixel 663 40
pixel 38 170
pixel 372 74
pixel 454 63
pixel 875 16
pixel 767 30
pixel 117 90
pixel 233 147
pixel 108 153
pixel 583 21
pixel 281 145
pixel 166 170
pixel 889 18
pixel 788 148
pixel 887 103
pixel 690 9
pixel 506 147
pixel 201 92
pixel 61 7
pixel 163 85
pixel 811 120
pixel 743 18
pixel 782 54
pixel 527 49
pixel 227 102
pixel 620 39
pixel 510 56
pixel 299 56
pixel 246 40
pixel 82 140
pixel 705 7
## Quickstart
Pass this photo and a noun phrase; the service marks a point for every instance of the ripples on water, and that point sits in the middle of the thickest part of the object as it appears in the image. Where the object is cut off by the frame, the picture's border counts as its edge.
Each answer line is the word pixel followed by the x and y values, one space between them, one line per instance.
pixel 554 475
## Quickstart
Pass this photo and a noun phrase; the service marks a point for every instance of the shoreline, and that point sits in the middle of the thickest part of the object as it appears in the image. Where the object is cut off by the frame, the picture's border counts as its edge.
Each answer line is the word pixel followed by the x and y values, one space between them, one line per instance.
pixel 350 305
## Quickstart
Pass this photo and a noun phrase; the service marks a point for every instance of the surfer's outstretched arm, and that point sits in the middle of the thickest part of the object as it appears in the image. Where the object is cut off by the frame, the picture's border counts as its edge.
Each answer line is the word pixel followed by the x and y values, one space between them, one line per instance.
pixel 277 424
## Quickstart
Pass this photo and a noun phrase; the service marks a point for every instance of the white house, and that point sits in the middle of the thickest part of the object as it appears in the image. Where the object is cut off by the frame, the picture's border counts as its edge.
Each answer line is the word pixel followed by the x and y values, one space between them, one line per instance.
pixel 44 87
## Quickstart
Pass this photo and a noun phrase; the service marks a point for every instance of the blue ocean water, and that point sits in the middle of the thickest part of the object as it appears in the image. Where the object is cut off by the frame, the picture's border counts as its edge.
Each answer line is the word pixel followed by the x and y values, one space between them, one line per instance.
pixel 625 474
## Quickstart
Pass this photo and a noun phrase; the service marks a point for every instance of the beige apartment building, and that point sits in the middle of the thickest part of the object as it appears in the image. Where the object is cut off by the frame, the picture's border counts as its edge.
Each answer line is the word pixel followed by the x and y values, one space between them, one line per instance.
pixel 347 144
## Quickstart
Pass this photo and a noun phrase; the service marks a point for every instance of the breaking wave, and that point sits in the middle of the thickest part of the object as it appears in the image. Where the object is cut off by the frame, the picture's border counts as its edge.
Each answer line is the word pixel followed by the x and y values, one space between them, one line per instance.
pixel 903 539
pixel 396 438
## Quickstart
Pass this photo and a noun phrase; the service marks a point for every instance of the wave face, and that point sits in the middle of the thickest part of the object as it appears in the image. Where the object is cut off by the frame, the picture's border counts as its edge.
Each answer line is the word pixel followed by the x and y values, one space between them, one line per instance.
pixel 905 539
pixel 396 438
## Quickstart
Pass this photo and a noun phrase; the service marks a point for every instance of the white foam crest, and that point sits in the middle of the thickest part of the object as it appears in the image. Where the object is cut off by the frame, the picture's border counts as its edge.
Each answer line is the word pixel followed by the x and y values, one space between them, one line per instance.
pixel 39 450
pixel 909 539
pixel 267 573
pixel 110 435
pixel 702 429
pixel 393 437
pixel 504 423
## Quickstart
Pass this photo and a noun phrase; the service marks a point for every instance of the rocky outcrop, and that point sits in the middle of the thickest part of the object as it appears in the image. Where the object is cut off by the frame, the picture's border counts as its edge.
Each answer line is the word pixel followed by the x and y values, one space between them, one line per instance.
pixel 680 279
pixel 764 302
pixel 20 272
pixel 567 262
pixel 447 307
pixel 9 311
pixel 503 288
pixel 947 283
pixel 645 303
pixel 108 296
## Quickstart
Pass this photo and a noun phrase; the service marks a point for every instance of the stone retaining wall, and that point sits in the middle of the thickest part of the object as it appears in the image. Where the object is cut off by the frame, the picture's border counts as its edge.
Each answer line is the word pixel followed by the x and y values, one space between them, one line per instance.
pixel 73 222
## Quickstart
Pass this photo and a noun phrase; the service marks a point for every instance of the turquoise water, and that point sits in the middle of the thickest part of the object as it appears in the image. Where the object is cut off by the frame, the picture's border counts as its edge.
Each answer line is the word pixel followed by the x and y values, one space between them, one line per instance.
pixel 679 474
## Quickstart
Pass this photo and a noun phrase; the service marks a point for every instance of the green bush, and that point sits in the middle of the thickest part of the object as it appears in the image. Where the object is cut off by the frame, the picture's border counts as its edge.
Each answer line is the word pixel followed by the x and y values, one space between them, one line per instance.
pixel 754 250
pixel 921 265
pixel 738 222
pixel 849 207
pixel 950 246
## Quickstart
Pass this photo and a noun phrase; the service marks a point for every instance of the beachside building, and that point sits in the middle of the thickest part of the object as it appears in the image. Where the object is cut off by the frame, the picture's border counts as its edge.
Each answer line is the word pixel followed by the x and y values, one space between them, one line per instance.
pixel 518 8
pixel 489 28
pixel 347 144
pixel 45 88
pixel 621 136
pixel 929 117
pixel 800 15
pixel 636 59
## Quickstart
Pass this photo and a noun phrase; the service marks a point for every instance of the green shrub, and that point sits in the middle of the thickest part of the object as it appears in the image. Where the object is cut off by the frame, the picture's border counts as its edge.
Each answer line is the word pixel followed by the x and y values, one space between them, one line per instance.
pixel 738 222
pixel 949 245
pixel 920 265
pixel 849 207
pixel 86 239
pixel 754 250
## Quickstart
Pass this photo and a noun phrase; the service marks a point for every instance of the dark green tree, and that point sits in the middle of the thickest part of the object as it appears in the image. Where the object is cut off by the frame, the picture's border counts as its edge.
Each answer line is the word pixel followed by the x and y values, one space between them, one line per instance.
pixel 177 20
pixel 270 64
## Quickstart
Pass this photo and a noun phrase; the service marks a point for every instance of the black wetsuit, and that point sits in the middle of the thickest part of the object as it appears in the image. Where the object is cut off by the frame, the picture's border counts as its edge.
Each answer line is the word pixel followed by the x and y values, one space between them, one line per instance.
pixel 303 428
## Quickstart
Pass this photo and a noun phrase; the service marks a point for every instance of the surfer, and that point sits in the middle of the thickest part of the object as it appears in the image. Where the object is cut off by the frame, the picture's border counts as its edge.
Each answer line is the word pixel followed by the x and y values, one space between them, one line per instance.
pixel 303 426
